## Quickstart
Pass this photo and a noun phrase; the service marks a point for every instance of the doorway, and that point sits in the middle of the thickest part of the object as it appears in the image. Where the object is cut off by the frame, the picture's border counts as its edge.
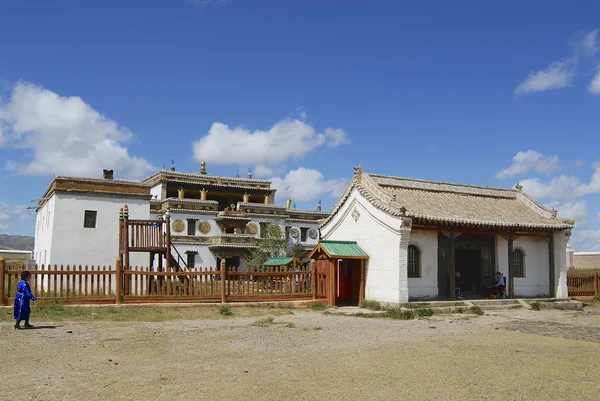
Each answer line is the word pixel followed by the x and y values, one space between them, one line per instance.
pixel 347 281
pixel 468 264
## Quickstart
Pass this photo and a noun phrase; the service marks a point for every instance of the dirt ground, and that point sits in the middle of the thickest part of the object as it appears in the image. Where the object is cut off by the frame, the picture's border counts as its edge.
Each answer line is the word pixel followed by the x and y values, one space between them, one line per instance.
pixel 307 355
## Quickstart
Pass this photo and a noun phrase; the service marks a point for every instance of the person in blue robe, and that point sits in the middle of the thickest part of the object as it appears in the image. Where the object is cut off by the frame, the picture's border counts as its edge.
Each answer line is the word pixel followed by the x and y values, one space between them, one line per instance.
pixel 24 295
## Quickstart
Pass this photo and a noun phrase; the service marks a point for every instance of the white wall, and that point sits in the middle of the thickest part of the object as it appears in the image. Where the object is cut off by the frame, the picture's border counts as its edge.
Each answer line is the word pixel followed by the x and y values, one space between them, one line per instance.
pixel 156 190
pixel 537 267
pixel 427 285
pixel 43 232
pixel 378 234
pixel 214 228
pixel 204 258
pixel 74 244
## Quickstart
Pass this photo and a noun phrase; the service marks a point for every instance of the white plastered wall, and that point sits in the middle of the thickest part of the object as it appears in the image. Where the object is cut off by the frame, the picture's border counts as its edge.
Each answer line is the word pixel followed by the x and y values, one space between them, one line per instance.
pixel 537 267
pixel 381 237
pixel 425 286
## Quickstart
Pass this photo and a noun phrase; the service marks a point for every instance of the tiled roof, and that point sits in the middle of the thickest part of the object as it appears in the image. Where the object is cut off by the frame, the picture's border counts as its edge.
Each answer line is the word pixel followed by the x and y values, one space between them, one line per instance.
pixel 341 249
pixel 279 261
pixel 441 203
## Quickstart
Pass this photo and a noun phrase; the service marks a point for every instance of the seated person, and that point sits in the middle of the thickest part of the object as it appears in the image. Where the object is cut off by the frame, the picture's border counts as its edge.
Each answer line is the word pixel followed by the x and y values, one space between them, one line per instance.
pixel 498 287
pixel 457 285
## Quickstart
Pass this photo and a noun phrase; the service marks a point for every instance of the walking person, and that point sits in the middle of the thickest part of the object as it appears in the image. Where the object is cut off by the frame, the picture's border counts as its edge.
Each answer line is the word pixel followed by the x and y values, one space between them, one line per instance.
pixel 22 299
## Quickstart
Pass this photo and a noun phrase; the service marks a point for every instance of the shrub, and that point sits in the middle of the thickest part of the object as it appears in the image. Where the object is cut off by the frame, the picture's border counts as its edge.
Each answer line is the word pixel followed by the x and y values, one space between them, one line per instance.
pixel 372 305
pixel 225 310
pixel 266 322
pixel 319 306
pixel 476 310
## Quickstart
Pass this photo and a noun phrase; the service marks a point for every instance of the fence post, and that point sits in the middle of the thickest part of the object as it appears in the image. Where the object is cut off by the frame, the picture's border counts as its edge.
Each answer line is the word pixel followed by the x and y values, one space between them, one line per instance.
pixel 2 270
pixel 223 279
pixel 119 281
pixel 313 284
pixel 595 283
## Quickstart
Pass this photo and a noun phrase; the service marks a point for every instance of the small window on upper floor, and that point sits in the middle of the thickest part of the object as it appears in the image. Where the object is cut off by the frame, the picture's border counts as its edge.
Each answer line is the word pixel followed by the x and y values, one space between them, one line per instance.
pixel 89 219
pixel 191 226
pixel 303 234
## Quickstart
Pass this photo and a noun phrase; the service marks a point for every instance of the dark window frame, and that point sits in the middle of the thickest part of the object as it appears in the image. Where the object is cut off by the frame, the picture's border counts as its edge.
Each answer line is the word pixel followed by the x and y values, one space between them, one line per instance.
pixel 303 234
pixel 191 259
pixel 518 263
pixel 414 262
pixel 191 224
pixel 90 218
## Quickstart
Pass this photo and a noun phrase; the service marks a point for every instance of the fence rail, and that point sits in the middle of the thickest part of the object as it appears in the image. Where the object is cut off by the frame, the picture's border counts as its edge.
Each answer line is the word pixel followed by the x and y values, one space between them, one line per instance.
pixel 583 284
pixel 108 284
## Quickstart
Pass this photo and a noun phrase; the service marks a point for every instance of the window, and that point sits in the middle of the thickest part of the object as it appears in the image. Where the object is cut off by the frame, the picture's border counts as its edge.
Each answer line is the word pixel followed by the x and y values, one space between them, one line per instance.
pixel 191 260
pixel 89 219
pixel 414 261
pixel 518 263
pixel 303 234
pixel 191 225
pixel 263 229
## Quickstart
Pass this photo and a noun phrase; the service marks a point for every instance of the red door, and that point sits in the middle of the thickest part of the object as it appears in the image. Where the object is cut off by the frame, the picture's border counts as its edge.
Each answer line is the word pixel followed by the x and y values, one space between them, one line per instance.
pixel 343 281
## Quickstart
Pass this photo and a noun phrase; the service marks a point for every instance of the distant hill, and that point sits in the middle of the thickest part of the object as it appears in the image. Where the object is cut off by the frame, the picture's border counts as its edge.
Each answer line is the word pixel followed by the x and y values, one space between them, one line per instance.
pixel 18 242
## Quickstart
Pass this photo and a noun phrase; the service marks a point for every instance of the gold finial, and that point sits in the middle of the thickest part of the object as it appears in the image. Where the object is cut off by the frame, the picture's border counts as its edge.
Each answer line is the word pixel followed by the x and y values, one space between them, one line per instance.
pixel 203 167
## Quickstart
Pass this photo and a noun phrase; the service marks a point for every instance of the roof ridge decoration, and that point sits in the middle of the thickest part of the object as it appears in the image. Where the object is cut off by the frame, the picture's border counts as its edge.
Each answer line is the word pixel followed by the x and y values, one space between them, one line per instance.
pixel 204 176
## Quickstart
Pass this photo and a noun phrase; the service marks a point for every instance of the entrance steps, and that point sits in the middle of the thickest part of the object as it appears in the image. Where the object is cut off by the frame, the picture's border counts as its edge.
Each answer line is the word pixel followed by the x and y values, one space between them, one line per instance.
pixel 499 304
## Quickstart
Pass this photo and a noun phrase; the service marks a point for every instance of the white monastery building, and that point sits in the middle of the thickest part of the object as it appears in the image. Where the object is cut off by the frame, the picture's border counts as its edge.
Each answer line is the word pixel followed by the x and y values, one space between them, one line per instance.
pixel 211 217
pixel 418 234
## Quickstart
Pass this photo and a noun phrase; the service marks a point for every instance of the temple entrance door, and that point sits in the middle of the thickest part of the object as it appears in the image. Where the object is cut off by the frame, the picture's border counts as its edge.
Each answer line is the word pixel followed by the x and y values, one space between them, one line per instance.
pixel 468 264
pixel 346 281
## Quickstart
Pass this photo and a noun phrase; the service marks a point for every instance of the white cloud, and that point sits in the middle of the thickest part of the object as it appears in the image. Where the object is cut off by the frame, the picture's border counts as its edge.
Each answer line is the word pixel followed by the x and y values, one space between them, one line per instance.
pixel 288 139
pixel 579 163
pixel 304 185
pixel 530 160
pixel 594 86
pixel 563 187
pixel 585 240
pixel 336 137
pixel 65 135
pixel 576 210
pixel 4 219
pixel 557 75
pixel 263 171
pixel 204 3
pixel 560 74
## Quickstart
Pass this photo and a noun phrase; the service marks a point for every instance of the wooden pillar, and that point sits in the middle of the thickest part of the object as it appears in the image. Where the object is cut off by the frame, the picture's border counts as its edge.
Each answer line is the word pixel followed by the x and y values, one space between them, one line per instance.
pixel 510 267
pixel 119 282
pixel 168 240
pixel 223 280
pixel 314 279
pixel 552 280
pixel 361 289
pixel 332 288
pixel 2 272
pixel 452 268
pixel 596 277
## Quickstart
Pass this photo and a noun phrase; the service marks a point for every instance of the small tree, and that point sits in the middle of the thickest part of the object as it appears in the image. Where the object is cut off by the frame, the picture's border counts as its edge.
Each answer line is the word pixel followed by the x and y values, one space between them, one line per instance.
pixel 273 244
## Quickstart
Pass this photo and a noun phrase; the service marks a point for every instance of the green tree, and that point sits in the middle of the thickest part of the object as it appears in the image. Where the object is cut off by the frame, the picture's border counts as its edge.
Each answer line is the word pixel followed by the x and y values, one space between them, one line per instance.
pixel 272 244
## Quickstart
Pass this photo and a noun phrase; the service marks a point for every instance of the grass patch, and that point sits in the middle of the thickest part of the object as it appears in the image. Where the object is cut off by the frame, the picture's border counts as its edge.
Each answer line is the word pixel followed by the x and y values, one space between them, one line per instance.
pixel 319 306
pixel 400 314
pixel 476 310
pixel 266 322
pixel 535 305
pixel 316 328
pixel 424 312
pixel 290 325
pixel 225 310
pixel 372 305
pixel 460 310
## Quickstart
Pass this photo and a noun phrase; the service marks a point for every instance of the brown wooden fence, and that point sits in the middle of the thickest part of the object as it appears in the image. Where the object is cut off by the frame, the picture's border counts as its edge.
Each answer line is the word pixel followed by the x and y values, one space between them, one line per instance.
pixel 583 284
pixel 83 284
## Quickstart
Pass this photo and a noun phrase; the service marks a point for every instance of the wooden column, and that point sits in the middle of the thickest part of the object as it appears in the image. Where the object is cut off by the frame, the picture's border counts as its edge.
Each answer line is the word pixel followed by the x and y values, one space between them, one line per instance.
pixel 168 244
pixel 119 282
pixel 511 279
pixel 452 268
pixel 332 275
pixel 361 289
pixel 552 281
pixel 2 272
pixel 223 280
pixel 314 279
pixel 596 277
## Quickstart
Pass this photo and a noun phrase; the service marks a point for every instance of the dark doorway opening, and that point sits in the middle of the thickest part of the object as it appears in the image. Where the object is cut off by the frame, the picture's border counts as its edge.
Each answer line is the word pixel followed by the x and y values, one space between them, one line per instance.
pixel 468 263
pixel 347 281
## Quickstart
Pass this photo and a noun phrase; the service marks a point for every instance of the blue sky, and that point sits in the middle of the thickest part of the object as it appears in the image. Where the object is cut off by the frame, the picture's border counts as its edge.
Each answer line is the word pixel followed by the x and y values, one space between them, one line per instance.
pixel 300 92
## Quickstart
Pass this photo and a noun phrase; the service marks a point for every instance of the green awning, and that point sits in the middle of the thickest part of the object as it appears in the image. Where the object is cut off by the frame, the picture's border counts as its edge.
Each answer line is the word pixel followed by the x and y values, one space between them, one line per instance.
pixel 340 249
pixel 280 261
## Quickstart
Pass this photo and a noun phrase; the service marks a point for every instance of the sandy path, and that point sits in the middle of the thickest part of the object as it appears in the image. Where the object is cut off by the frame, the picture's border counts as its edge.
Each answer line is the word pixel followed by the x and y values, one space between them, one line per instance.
pixel 323 357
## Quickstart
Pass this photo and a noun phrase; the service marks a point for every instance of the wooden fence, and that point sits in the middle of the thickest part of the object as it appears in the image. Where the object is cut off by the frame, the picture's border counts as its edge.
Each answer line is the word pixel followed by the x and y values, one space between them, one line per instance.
pixel 104 285
pixel 583 285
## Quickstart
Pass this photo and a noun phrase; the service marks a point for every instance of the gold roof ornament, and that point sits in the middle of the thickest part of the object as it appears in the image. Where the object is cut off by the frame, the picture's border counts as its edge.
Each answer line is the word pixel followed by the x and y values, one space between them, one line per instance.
pixel 203 167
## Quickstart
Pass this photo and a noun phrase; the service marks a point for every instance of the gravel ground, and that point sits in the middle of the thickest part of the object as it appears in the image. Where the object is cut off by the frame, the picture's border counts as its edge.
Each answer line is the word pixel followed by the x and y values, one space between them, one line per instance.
pixel 512 355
